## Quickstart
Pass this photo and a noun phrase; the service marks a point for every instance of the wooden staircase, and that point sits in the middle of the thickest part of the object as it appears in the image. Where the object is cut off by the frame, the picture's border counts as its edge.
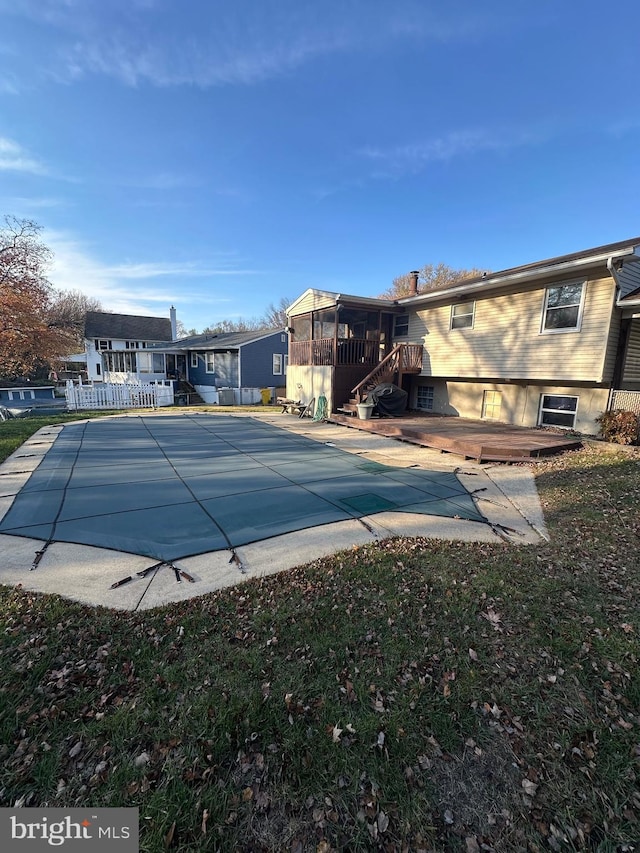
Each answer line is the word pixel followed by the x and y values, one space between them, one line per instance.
pixel 403 358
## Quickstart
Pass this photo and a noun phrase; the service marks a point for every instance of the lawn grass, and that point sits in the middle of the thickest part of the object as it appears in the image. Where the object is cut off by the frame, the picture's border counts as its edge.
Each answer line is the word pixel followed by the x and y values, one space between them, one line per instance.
pixel 408 695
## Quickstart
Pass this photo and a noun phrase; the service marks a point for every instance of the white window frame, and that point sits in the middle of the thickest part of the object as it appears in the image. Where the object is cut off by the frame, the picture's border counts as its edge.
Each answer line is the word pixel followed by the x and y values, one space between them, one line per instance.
pixel 102 344
pixel 544 409
pixel 209 362
pixel 491 404
pixel 545 308
pixel 194 359
pixel 405 322
pixel 277 364
pixel 429 397
pixel 469 316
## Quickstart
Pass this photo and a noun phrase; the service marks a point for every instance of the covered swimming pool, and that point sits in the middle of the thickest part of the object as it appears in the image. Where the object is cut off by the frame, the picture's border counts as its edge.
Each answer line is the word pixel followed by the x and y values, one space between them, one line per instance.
pixel 174 486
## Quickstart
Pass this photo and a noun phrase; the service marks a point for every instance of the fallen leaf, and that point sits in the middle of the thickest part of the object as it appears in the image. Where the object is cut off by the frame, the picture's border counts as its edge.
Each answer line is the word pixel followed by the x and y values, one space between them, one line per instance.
pixel 168 839
pixel 75 749
pixel 142 759
pixel 383 821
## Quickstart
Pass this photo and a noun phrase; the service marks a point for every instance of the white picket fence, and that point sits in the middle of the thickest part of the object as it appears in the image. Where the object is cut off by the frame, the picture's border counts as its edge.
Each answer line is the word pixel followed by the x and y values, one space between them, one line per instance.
pixel 127 395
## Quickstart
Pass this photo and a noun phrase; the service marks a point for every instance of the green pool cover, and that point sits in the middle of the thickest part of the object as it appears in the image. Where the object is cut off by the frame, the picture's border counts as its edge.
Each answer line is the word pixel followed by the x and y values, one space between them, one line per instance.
pixel 179 485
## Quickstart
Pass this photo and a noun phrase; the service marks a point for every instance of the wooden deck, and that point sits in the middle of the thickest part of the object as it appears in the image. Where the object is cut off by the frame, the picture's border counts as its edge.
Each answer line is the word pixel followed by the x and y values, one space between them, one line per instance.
pixel 483 441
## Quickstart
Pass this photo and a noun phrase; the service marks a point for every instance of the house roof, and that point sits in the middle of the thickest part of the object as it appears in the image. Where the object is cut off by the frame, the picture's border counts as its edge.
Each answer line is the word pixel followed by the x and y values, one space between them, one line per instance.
pixel 128 327
pixel 221 340
pixel 343 298
pixel 561 265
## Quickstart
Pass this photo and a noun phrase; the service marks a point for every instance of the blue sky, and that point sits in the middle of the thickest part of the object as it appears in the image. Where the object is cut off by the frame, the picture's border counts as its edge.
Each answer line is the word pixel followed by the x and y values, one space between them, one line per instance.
pixel 220 156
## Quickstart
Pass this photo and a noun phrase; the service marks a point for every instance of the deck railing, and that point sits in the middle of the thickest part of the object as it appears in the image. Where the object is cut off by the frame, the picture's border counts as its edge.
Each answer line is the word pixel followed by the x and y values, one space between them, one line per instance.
pixel 328 351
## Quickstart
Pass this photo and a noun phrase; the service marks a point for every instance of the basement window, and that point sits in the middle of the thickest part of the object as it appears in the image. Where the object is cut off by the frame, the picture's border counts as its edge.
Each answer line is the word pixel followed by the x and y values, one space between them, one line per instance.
pixel 558 410
pixel 424 397
pixel 491 405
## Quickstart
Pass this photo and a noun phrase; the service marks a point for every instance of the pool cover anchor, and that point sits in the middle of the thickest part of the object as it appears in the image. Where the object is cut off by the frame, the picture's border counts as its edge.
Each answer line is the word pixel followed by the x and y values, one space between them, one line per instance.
pixel 235 559
pixel 179 573
pixel 38 556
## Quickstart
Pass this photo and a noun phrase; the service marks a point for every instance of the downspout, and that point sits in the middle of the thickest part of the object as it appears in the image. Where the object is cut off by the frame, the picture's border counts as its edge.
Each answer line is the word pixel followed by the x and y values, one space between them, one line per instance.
pixel 617 367
pixel 613 270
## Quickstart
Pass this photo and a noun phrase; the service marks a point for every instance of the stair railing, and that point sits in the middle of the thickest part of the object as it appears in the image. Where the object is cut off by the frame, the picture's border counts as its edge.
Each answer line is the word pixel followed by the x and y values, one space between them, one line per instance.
pixel 403 358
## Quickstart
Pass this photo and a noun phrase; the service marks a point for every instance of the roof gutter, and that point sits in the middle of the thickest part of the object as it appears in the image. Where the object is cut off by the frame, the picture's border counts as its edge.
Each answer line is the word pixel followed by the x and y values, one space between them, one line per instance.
pixel 568 266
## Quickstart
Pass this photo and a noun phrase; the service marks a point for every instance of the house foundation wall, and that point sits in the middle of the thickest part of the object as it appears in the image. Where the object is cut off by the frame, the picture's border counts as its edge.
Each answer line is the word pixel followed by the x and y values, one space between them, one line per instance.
pixel 515 403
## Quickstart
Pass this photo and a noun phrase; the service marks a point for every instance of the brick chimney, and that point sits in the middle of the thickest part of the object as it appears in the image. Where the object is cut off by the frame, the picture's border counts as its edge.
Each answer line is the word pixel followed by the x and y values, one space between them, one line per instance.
pixel 413 282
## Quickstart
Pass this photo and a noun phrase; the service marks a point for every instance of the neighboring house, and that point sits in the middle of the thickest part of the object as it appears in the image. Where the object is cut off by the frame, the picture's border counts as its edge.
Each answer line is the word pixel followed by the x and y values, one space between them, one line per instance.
pixel 546 343
pixel 243 361
pixel 124 347
pixel 116 344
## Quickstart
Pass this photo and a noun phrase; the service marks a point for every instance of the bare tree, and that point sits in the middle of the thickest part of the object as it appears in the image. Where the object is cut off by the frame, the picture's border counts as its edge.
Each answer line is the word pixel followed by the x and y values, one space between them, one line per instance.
pixel 239 325
pixel 275 316
pixel 68 311
pixel 430 276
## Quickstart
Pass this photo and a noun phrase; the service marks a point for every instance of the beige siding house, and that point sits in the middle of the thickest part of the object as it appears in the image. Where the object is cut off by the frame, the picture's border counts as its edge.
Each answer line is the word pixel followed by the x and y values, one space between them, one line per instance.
pixel 544 344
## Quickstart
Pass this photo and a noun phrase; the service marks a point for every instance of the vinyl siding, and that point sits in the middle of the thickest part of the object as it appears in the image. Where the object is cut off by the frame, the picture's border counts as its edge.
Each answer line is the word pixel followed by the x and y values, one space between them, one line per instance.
pixel 631 372
pixel 313 301
pixel 506 342
pixel 629 278
pixel 256 361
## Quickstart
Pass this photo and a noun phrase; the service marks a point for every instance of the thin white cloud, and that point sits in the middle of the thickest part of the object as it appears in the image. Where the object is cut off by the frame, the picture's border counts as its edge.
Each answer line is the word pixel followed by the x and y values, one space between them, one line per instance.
pixel 155 270
pixel 198 62
pixel 238 43
pixel 15 158
pixel 395 161
pixel 136 288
